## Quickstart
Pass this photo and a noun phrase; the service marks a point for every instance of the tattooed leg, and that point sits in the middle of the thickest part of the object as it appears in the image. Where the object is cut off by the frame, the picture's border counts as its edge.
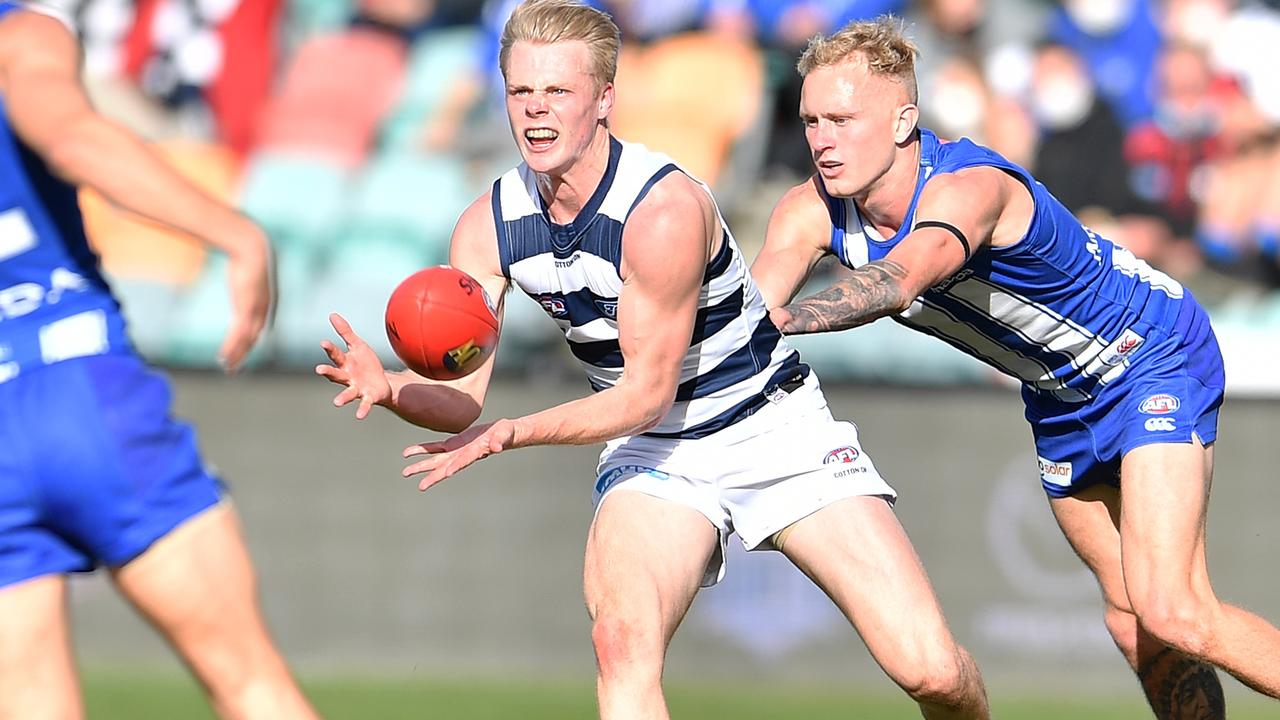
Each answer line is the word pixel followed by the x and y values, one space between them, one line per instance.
pixel 1179 687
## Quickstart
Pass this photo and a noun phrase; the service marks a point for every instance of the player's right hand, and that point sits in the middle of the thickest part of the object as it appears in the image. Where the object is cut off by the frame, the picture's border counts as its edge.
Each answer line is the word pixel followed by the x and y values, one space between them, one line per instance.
pixel 358 368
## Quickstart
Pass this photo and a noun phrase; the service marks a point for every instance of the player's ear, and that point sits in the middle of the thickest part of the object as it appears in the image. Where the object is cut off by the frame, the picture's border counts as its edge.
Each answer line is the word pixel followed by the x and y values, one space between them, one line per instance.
pixel 905 123
pixel 605 104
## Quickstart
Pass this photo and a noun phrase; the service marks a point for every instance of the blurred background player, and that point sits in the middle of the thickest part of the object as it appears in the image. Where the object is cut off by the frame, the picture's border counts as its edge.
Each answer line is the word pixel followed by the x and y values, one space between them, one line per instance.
pixel 1121 373
pixel 93 470
pixel 695 388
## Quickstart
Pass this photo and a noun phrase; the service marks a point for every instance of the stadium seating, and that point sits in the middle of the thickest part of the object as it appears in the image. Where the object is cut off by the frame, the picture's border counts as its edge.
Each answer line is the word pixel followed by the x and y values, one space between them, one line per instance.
pixel 300 199
pixel 409 198
pixel 334 94
pixel 433 64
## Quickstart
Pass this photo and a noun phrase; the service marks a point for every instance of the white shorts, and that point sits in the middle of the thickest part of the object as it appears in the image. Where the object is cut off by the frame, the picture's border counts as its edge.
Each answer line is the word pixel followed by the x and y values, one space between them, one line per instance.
pixel 755 477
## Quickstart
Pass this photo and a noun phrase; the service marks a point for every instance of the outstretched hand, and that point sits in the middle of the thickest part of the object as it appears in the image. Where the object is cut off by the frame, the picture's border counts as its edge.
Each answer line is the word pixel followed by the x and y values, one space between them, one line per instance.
pixel 358 368
pixel 450 456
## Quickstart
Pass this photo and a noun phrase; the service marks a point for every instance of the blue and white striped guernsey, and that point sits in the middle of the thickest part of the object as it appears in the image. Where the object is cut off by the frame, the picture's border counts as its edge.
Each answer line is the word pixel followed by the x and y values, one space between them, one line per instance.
pixel 1063 310
pixel 736 356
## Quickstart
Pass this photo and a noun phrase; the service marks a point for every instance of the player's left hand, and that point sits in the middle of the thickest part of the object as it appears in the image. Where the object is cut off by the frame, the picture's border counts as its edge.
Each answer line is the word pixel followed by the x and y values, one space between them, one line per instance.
pixel 450 456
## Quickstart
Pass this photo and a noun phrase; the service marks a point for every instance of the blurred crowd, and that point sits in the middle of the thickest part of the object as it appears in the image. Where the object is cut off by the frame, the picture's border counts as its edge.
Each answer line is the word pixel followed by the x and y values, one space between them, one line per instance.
pixel 357 130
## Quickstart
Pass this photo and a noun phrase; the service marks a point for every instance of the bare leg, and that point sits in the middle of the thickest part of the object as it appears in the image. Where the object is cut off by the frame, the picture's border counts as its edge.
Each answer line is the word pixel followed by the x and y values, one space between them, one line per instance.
pixel 858 553
pixel 1176 685
pixel 644 563
pixel 197 587
pixel 37 670
pixel 1165 493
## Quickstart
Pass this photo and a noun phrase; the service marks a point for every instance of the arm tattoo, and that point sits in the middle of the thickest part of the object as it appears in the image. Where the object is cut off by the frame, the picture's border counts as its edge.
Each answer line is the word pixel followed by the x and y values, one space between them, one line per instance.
pixel 1182 688
pixel 870 292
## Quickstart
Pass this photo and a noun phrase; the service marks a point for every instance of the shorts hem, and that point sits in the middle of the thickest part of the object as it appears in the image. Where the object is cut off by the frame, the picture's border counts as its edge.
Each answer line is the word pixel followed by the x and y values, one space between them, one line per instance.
pixel 130 551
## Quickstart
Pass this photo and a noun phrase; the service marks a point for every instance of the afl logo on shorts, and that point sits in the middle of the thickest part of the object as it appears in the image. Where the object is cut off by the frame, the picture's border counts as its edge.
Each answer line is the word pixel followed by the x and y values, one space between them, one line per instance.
pixel 845 454
pixel 1159 405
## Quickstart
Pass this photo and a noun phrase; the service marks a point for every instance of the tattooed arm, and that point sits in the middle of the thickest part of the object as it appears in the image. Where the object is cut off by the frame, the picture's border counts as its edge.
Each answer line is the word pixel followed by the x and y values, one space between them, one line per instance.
pixel 868 293
pixel 969 209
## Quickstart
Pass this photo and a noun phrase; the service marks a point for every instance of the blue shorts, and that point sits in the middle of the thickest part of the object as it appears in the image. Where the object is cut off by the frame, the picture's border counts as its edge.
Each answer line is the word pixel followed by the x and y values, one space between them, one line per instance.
pixel 1169 394
pixel 93 470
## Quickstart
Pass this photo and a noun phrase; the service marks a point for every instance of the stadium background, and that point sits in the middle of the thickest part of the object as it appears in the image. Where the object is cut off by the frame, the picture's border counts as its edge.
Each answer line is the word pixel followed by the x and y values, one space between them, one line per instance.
pixel 357 131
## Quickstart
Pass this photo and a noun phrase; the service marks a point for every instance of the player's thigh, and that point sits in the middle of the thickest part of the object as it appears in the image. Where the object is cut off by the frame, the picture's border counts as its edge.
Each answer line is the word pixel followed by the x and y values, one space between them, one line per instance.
pixel 1090 520
pixel 37 669
pixel 197 586
pixel 1164 491
pixel 859 554
pixel 645 559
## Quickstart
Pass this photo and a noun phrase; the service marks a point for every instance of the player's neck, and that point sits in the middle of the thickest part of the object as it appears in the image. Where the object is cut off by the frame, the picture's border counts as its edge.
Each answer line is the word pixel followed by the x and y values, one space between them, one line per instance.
pixel 887 200
pixel 566 193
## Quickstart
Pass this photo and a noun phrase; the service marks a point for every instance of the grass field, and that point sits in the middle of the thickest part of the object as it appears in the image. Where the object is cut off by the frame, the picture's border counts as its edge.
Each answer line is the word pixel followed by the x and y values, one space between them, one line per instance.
pixel 111 696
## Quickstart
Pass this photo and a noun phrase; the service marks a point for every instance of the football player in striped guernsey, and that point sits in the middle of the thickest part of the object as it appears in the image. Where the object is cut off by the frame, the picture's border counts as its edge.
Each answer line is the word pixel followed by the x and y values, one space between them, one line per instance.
pixel 1121 375
pixel 712 424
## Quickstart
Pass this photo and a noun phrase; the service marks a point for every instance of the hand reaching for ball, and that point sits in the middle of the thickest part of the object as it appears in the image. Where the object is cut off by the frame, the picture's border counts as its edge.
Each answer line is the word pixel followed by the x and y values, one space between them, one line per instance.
pixel 358 368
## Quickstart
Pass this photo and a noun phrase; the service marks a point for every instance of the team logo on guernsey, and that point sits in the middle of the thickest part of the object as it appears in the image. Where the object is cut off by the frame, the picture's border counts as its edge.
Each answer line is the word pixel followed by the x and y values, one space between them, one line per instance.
pixel 553 305
pixel 844 454
pixel 1122 348
pixel 1160 405
pixel 608 308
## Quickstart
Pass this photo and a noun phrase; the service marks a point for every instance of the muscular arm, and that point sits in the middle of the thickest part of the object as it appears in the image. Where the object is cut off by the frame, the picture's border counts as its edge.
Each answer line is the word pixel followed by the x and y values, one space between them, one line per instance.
pixel 665 248
pixel 454 405
pixel 795 240
pixel 972 200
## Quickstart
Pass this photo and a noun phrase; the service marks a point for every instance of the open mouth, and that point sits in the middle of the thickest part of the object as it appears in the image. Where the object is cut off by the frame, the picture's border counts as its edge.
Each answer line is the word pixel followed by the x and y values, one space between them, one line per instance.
pixel 540 138
pixel 830 167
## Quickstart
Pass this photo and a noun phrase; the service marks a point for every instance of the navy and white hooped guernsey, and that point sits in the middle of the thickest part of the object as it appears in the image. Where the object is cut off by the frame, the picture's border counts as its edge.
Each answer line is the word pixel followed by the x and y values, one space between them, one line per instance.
pixel 54 304
pixel 736 356
pixel 1063 310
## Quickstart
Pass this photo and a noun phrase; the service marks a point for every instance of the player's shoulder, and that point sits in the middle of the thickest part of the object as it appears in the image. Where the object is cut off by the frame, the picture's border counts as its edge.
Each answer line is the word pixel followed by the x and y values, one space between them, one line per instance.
pixel 970 185
pixel 804 209
pixel 477 221
pixel 672 196
pixel 806 199
pixel 34 26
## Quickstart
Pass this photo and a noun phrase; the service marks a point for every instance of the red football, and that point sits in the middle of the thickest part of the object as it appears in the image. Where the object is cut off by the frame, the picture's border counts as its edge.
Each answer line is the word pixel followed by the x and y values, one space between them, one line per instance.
pixel 441 323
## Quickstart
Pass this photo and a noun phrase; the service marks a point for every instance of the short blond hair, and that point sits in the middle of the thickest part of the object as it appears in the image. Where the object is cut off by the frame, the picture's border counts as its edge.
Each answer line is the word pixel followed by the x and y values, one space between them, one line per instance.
pixel 880 43
pixel 552 21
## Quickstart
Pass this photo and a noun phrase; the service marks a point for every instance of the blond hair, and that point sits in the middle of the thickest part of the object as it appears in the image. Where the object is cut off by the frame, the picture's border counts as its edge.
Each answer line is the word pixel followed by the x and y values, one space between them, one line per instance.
pixel 552 21
pixel 879 43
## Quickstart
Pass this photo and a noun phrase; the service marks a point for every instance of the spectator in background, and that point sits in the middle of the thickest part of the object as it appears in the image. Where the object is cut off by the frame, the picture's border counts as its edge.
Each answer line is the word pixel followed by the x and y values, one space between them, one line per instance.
pixel 1118 40
pixel 1080 155
pixel 1239 215
pixel 958 100
pixel 783 29
pixel 1168 153
pixel 995 35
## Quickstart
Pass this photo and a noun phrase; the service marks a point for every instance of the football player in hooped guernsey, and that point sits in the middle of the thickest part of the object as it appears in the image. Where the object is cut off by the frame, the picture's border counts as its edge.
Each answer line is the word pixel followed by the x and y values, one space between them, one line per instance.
pixel 1120 371
pixel 711 423
pixel 93 470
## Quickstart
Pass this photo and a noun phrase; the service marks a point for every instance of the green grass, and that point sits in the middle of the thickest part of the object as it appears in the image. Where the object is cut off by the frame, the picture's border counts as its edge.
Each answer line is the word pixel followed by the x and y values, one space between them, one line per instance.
pixel 112 696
